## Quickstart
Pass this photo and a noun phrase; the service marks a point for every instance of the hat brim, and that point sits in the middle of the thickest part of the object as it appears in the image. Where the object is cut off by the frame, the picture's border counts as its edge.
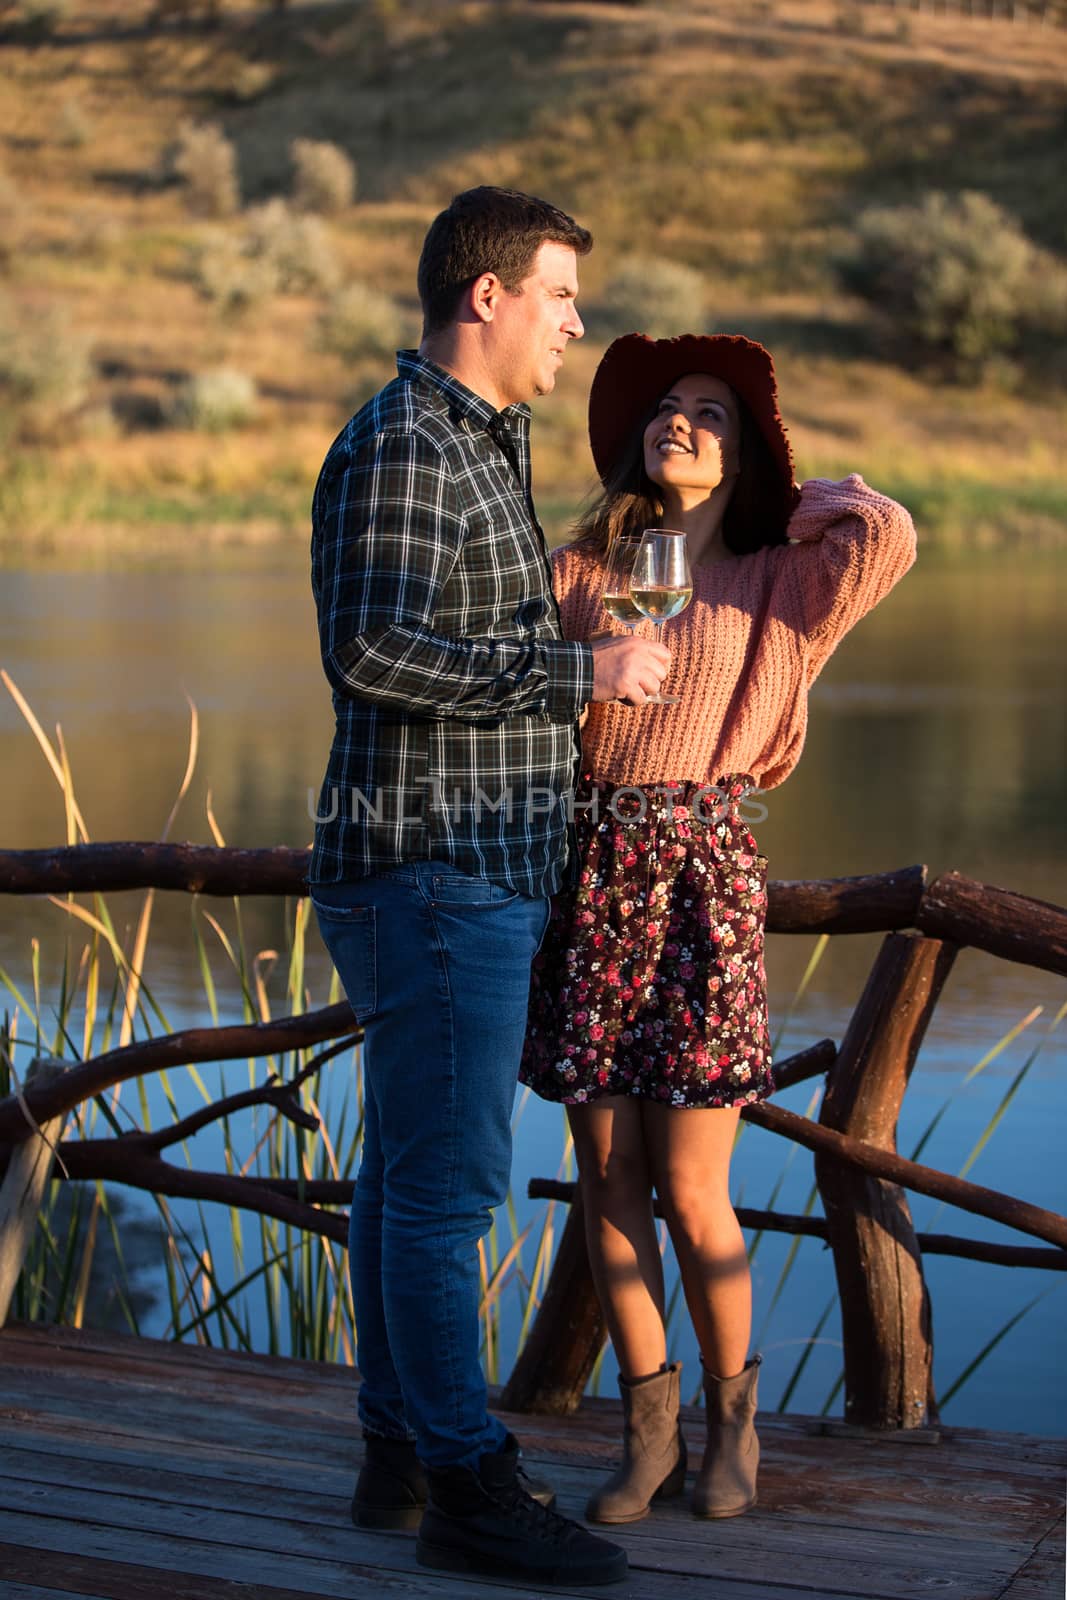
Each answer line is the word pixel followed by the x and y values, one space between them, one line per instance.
pixel 636 371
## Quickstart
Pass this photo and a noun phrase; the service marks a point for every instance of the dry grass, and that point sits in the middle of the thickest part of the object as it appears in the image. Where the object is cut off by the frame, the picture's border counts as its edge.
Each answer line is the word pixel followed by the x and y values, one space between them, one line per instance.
pixel 737 140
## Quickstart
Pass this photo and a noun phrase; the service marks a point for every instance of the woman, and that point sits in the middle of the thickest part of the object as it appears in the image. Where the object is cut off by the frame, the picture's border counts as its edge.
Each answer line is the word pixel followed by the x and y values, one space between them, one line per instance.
pixel 648 1009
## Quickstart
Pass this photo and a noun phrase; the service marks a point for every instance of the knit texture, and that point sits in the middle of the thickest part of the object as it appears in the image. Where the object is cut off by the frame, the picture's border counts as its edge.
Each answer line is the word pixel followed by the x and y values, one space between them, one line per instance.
pixel 758 632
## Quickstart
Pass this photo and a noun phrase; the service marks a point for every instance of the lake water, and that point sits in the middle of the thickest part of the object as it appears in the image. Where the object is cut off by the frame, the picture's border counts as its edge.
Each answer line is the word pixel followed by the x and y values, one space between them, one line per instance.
pixel 937 734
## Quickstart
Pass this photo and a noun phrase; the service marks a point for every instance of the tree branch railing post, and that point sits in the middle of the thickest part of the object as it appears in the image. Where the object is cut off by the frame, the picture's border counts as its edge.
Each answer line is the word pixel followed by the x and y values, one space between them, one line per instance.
pixel 23 1185
pixel 885 1305
pixel 862 1179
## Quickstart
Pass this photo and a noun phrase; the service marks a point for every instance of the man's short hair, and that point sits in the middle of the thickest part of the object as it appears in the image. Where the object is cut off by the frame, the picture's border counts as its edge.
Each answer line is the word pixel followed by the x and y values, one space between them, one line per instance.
pixel 487 230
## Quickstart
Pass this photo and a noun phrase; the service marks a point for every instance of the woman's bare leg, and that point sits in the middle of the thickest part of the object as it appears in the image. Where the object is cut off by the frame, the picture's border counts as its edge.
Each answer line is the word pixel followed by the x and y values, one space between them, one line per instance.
pixel 688 1153
pixel 620 1229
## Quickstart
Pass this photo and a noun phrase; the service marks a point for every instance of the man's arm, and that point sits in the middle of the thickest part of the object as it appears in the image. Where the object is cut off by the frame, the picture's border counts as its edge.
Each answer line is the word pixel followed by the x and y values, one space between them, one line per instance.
pixel 389 529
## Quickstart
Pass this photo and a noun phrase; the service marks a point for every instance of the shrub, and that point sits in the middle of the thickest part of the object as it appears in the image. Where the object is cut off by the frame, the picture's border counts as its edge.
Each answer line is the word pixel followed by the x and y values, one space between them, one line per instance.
pixel 649 295
pixel 229 277
pixel 953 278
pixel 276 253
pixel 44 368
pixel 298 248
pixel 206 162
pixel 212 402
pixel 73 127
pixel 12 220
pixel 361 324
pixel 324 178
pixel 36 19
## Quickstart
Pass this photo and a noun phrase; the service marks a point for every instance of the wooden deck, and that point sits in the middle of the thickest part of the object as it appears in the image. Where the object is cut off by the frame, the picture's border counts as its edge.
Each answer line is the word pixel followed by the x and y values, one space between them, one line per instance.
pixel 136 1470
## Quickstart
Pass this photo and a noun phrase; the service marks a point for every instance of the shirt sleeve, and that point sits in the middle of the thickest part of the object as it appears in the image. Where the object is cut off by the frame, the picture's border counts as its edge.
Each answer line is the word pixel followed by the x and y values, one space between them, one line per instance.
pixel 389 529
pixel 851 546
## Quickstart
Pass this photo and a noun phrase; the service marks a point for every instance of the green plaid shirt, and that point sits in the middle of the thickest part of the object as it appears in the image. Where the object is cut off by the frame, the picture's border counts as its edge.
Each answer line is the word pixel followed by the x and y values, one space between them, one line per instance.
pixel 455 693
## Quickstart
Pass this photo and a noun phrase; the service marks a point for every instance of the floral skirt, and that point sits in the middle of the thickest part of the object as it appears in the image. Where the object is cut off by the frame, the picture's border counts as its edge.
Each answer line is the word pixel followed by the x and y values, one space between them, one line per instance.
pixel 650 978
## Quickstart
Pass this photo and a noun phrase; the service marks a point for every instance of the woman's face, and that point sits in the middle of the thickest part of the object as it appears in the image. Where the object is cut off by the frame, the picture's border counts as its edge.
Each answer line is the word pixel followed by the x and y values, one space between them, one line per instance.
pixel 692 443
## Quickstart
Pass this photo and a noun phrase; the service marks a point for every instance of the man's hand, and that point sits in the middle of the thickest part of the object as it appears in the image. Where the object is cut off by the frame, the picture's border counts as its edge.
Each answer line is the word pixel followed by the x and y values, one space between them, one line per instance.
pixel 628 669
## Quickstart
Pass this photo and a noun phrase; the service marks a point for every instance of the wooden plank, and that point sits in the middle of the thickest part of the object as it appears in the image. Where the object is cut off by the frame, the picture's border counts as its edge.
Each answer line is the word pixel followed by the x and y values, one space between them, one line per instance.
pixel 597 1419
pixel 889 1564
pixel 193 1356
pixel 1041 1577
pixel 272 1393
pixel 31 1591
pixel 598 1416
pixel 816 1475
pixel 394 1574
pixel 809 1476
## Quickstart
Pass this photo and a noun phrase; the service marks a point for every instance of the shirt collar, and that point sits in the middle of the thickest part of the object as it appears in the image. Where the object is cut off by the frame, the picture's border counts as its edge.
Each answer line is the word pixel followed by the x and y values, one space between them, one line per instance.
pixel 462 402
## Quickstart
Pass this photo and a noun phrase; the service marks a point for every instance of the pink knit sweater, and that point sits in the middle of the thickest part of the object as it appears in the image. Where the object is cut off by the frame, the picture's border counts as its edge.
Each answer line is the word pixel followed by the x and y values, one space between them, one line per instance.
pixel 757 634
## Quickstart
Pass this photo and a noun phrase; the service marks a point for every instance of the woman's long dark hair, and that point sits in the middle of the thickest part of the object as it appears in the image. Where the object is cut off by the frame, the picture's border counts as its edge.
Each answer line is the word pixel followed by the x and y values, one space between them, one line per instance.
pixel 630 500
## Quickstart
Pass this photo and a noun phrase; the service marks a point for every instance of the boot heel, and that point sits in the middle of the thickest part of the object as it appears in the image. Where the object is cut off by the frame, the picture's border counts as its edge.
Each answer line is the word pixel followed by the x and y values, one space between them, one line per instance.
pixel 673 1484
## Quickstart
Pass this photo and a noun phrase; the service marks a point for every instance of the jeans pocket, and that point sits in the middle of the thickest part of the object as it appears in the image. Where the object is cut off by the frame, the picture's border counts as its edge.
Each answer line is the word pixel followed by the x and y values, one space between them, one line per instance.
pixel 350 935
pixel 460 889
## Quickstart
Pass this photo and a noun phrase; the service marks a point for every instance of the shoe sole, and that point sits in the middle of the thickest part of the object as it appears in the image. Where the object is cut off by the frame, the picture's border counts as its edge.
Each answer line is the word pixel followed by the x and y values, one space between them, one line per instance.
pixel 443 1558
pixel 715 1516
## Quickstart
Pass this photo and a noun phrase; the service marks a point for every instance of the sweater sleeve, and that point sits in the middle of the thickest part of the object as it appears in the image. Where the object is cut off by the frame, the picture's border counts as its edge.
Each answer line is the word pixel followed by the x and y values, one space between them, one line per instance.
pixel 851 545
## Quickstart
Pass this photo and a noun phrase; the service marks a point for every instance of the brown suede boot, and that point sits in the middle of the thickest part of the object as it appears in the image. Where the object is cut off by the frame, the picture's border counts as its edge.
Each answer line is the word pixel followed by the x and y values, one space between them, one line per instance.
pixel 653 1450
pixel 726 1482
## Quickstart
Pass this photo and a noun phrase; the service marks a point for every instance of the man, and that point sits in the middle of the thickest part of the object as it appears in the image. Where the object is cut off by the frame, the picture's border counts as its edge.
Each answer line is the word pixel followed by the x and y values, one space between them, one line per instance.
pixel 442 832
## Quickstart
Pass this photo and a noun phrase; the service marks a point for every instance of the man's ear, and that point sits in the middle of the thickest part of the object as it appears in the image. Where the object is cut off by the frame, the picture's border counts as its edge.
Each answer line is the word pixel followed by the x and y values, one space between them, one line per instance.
pixel 483 296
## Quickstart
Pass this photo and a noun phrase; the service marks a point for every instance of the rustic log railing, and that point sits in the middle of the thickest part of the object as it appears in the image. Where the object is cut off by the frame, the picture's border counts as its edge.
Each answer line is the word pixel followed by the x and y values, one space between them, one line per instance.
pixel 861 1177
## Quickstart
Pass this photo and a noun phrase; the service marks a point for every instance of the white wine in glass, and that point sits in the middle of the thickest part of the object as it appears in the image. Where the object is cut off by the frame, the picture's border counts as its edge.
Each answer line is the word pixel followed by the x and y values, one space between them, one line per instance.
pixel 661 584
pixel 616 598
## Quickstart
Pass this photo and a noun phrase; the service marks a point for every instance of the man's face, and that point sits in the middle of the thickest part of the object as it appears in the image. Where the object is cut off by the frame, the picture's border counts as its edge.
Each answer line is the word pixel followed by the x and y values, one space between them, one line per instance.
pixel 532 329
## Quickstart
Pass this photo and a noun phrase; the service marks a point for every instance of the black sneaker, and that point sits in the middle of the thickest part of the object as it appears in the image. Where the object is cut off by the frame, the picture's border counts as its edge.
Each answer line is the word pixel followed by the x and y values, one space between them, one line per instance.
pixel 391 1488
pixel 485 1522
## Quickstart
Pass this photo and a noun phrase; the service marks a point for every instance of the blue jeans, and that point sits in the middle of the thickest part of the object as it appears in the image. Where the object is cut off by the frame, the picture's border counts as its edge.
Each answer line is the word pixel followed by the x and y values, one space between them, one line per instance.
pixel 436 965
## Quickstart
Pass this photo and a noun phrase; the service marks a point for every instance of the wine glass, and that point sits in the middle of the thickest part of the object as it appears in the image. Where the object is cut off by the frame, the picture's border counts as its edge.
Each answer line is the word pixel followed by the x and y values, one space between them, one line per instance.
pixel 616 597
pixel 661 584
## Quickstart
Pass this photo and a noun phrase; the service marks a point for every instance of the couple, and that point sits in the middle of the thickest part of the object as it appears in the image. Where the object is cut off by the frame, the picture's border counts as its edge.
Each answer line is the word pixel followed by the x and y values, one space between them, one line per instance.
pixel 501 797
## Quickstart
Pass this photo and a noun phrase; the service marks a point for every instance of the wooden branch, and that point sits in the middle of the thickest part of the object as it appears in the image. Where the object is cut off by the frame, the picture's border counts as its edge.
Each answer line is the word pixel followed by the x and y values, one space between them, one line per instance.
pixel 931 1244
pixel 886 1320
pixel 115 1161
pixel 874 903
pixel 1020 1214
pixel 1006 924
pixel 23 1185
pixel 568 1332
pixel 196 868
pixel 811 1062
pixel 172 1050
pixel 282 1096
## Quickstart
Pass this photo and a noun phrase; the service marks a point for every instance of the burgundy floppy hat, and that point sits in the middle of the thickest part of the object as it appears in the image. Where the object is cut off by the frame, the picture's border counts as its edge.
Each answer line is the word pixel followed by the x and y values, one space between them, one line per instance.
pixel 635 371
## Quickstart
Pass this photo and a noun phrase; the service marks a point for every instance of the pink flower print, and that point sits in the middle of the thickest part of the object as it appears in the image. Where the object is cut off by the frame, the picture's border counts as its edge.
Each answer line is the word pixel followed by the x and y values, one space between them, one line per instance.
pixel 596 1031
pixel 745 860
pixel 724 1060
pixel 670 949
pixel 686 969
pixel 630 860
pixel 712 1073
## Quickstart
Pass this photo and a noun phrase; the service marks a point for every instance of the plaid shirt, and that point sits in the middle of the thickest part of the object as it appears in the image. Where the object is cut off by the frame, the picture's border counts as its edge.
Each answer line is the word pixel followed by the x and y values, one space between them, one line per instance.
pixel 455 693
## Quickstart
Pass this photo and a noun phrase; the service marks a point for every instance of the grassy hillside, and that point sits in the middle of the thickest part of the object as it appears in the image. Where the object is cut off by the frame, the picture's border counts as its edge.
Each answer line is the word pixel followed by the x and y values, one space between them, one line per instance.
pixel 739 139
